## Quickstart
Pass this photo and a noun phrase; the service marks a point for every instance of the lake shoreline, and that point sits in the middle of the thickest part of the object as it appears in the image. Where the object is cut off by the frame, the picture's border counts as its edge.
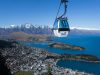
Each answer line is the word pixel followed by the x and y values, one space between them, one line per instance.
pixel 68 57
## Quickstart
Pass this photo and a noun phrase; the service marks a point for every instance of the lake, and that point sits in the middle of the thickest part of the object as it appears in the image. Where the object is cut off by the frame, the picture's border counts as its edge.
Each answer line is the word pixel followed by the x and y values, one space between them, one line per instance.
pixel 90 43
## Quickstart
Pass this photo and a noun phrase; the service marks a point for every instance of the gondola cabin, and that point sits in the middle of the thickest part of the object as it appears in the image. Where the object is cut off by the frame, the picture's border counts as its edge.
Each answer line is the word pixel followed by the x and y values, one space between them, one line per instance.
pixel 61 27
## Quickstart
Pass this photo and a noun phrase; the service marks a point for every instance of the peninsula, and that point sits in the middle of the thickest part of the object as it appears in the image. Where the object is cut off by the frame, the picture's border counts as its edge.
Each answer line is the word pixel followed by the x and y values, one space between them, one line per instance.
pixel 77 57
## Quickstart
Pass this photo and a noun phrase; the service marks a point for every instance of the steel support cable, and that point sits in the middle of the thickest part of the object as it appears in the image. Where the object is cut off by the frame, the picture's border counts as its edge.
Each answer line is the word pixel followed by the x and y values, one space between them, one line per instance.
pixel 57 12
pixel 65 8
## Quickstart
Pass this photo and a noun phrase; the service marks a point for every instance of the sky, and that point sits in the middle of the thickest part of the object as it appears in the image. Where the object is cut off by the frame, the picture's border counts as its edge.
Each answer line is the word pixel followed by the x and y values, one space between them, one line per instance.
pixel 81 13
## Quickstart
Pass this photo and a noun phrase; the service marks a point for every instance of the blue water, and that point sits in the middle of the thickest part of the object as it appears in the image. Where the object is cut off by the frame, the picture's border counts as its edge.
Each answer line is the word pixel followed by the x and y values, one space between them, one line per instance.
pixel 90 43
pixel 89 67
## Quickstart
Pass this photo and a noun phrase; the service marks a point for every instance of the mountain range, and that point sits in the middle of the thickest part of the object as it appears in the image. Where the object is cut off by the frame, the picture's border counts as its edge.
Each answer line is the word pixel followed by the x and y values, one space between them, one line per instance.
pixel 32 29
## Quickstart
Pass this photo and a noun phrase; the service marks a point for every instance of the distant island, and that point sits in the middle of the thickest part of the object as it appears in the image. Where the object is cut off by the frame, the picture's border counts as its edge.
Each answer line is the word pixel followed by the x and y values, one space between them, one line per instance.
pixel 66 46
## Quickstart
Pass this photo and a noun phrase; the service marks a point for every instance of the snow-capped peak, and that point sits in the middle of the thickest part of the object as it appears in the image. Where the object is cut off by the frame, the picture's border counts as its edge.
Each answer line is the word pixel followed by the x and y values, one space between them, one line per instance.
pixel 27 25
